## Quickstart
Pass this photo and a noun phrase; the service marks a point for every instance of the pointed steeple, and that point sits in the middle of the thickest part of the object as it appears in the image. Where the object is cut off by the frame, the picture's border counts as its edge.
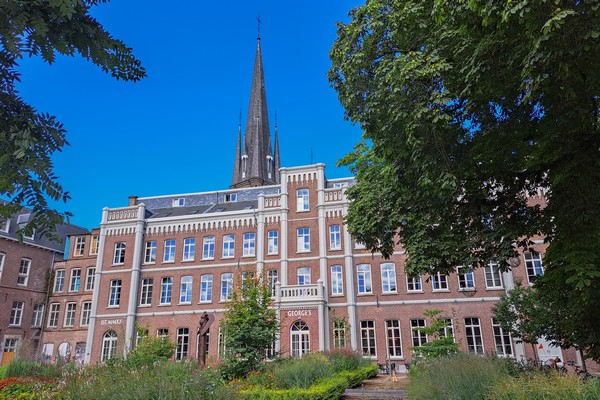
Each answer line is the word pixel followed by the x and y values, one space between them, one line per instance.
pixel 258 168
pixel 238 155
pixel 276 164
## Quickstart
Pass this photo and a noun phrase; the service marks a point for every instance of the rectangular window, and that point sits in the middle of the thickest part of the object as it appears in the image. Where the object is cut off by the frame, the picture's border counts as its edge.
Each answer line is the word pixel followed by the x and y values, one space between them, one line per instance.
pixel 228 246
pixel 249 244
pixel 303 240
pixel 302 200
pixel 413 284
pixel 114 298
pixel 440 281
pixel 70 314
pixel 38 315
pixel 230 197
pixel 53 315
pixel 4 225
pixel 339 333
pixel 1 264
pixel 304 276
pixel 189 249
pixel 363 272
pixel 169 255
pixel 272 276
pixel 502 340
pixel 388 278
pixel 206 287
pixel 337 285
pixel 146 292
pixel 273 242
pixel 119 253
pixel 16 313
pixel 90 277
pixel 178 202
pixel 150 252
pixel 86 311
pixel 448 330
pixel 208 248
pixel 466 278
pixel 185 294
pixel 166 290
pixel 59 281
pixel 493 277
pixel 162 333
pixel 221 344
pixel 418 337
pixel 79 246
pixel 335 239
pixel 367 334
pixel 94 245
pixel 392 335
pixel 533 264
pixel 226 286
pixel 473 334
pixel 75 280
pixel 24 272
pixel 183 342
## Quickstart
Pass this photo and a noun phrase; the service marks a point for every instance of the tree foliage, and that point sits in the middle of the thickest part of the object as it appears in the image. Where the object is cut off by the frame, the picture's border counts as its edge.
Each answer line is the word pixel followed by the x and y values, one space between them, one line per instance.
pixel 250 327
pixel 467 108
pixel 29 138
pixel 149 349
pixel 442 344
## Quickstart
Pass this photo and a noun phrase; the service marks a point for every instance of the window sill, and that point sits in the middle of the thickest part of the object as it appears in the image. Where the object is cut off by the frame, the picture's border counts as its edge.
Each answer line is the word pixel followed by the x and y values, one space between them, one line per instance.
pixel 205 301
pixel 14 326
pixel 273 254
pixel 389 293
pixel 208 258
pixel 337 295
pixel 303 211
pixel 249 256
pixel 440 290
pixel 149 262
pixel 117 306
pixel 302 251
pixel 336 249
pixel 414 291
pixel 365 294
pixel 227 257
pixel 187 303
pixel 494 288
pixel 117 265
pixel 168 262
pixel 145 305
pixel 188 260
pixel 164 305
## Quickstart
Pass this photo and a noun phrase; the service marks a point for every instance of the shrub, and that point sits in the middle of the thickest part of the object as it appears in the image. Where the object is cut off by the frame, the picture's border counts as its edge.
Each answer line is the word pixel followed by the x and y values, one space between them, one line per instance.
pixel 346 360
pixel 325 389
pixel 461 376
pixel 546 386
pixel 356 377
pixel 25 368
pixel 302 372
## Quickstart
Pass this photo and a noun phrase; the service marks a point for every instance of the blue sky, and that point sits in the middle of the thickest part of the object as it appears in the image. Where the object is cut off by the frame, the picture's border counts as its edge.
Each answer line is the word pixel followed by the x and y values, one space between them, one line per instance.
pixel 175 131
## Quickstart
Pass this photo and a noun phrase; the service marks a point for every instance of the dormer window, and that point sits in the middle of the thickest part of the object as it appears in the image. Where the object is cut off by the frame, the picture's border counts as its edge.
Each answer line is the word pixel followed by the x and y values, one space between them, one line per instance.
pixel 230 198
pixel 269 166
pixel 23 219
pixel 179 202
pixel 4 225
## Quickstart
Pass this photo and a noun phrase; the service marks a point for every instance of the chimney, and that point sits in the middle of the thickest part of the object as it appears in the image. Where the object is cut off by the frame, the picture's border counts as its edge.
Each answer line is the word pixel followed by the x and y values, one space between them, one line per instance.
pixel 132 200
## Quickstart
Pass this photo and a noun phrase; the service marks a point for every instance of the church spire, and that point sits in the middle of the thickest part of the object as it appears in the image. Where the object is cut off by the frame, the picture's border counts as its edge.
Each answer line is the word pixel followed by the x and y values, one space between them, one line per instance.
pixel 257 169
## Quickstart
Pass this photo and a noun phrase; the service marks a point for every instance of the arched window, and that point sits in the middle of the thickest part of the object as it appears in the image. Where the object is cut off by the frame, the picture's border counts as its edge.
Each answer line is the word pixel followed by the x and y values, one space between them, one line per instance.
pixel 300 338
pixel 109 345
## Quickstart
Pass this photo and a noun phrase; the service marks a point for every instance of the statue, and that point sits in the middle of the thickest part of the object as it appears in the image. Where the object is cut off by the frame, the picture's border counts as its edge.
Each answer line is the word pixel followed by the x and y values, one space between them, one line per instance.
pixel 205 322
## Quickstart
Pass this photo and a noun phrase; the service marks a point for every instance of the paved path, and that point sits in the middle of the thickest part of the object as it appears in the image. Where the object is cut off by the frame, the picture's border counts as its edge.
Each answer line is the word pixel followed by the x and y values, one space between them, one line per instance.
pixel 380 387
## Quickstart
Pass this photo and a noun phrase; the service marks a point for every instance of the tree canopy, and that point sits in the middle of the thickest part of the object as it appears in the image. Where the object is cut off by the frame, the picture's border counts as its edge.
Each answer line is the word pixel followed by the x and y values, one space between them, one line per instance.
pixel 29 138
pixel 469 108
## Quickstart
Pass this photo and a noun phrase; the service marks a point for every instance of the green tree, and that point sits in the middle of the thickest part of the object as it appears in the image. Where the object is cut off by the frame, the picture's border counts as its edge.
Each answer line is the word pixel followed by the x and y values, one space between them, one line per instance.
pixel 442 343
pixel 29 138
pixel 250 326
pixel 149 349
pixel 520 313
pixel 467 107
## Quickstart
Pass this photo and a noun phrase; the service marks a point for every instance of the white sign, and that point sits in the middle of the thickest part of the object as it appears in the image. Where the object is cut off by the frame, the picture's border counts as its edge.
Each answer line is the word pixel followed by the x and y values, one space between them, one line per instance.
pixel 111 322
pixel 299 313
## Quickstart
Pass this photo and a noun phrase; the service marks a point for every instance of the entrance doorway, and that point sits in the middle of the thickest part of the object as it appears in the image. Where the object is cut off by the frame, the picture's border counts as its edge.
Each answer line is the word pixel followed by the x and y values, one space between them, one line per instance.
pixel 299 338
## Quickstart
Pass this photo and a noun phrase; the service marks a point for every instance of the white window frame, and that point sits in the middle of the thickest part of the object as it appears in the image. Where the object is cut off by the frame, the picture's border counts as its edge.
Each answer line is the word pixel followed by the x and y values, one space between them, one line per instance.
pixel 206 288
pixel 70 310
pixel 418 337
pixel 466 278
pixel 439 282
pixel 493 276
pixel 335 237
pixel 249 248
pixel 208 248
pixel 5 225
pixel 166 291
pixel 502 340
pixel 302 200
pixel 364 280
pixel 533 265
pixel 2 257
pixel 178 202
pixel 94 244
pixel 37 318
pixel 414 284
pixel 182 344
pixel 59 281
pixel 273 242
pixel 75 280
pixel 170 248
pixel 339 333
pixel 24 270
pixel 16 313
pixel 53 315
pixel 114 297
pixel 272 279
pixel 119 255
pixel 90 278
pixel 303 240
pixel 109 345
pixel 146 292
pixel 79 249
pixel 228 246
pixel 185 291
pixel 150 252
pixel 299 339
pixel 393 337
pixel 86 312
pixel 368 339
pixel 226 287
pixel 337 280
pixel 304 276
pixel 388 278
pixel 474 335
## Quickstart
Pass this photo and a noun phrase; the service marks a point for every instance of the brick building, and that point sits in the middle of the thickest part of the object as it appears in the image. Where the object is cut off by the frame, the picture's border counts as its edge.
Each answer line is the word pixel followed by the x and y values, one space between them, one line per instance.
pixel 162 261
pixel 24 271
